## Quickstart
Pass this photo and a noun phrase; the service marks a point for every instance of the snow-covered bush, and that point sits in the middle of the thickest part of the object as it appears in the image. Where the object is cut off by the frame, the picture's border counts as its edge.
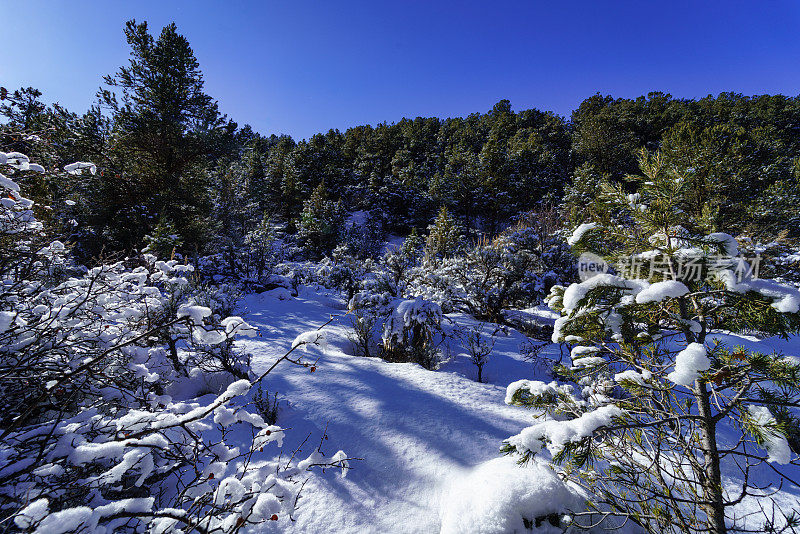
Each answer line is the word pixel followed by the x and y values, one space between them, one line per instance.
pixel 395 271
pixel 410 332
pixel 262 251
pixel 251 261
pixel 344 271
pixel 516 269
pixel 100 429
pixel 670 429
pixel 479 347
pixel 396 329
pixel 362 337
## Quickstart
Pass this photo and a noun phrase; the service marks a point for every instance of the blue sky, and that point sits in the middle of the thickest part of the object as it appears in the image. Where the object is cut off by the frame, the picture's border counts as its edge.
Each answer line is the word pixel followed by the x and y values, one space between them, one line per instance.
pixel 303 67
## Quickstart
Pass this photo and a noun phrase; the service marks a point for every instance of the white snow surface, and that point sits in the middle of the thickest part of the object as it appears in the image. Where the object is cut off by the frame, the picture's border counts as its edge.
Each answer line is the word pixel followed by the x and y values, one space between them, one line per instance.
pixel 429 440
pixel 495 496
pixel 416 430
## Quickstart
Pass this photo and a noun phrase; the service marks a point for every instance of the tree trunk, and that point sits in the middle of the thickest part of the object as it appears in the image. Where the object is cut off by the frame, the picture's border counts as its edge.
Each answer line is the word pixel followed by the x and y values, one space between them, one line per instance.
pixel 710 479
pixel 173 355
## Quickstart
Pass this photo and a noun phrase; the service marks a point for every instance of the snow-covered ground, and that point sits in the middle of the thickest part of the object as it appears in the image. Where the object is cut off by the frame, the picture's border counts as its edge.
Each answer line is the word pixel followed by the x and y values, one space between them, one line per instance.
pixel 417 430
pixel 423 435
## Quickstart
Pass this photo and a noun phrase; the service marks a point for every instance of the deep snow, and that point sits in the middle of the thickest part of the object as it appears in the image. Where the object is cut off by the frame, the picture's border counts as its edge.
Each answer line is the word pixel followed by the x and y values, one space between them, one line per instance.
pixel 417 430
pixel 424 436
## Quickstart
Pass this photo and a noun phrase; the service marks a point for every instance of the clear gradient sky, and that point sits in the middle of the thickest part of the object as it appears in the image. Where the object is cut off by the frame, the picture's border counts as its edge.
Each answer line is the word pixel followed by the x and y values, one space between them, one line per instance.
pixel 302 67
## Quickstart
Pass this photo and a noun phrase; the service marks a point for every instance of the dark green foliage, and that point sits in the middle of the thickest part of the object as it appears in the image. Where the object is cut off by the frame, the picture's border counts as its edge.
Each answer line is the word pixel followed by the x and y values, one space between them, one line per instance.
pixel 160 144
pixel 163 242
pixel 627 343
pixel 165 131
pixel 321 222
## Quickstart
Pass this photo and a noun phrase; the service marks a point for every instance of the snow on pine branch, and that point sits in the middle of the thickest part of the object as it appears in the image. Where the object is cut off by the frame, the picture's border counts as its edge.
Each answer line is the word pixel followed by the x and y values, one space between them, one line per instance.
pixel 579 232
pixel 769 437
pixel 689 363
pixel 555 435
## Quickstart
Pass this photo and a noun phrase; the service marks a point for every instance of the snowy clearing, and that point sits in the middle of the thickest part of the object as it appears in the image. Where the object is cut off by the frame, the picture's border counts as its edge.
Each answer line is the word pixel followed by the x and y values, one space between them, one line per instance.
pixel 417 430
pixel 424 436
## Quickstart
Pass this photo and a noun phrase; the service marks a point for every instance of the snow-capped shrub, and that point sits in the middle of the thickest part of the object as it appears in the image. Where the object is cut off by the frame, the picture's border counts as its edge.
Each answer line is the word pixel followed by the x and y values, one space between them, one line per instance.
pixel 100 429
pixel 263 251
pixel 516 269
pixel 410 332
pixel 396 329
pixel 345 271
pixel 395 270
pixel 248 260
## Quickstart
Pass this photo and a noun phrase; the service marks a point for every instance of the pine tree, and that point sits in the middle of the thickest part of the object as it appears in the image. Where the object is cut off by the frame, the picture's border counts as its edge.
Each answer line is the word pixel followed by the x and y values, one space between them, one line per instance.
pixel 167 127
pixel 444 239
pixel 321 222
pixel 412 245
pixel 660 387
pixel 775 210
pixel 257 182
pixel 163 242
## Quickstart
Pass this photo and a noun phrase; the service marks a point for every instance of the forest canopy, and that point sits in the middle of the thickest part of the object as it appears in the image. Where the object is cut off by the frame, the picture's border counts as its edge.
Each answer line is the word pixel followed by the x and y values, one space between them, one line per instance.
pixel 165 156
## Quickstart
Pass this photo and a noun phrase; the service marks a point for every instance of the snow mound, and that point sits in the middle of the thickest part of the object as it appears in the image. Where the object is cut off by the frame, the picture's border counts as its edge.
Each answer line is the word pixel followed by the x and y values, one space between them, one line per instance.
pixel 689 363
pixel 494 497
pixel 280 293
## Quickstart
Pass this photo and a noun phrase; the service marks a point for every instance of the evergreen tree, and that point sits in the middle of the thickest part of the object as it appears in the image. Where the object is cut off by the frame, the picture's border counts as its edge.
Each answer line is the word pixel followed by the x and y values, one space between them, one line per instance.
pixel 321 222
pixel 164 241
pixel 257 182
pixel 444 239
pixel 167 127
pixel 775 210
pixel 667 407
pixel 23 110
